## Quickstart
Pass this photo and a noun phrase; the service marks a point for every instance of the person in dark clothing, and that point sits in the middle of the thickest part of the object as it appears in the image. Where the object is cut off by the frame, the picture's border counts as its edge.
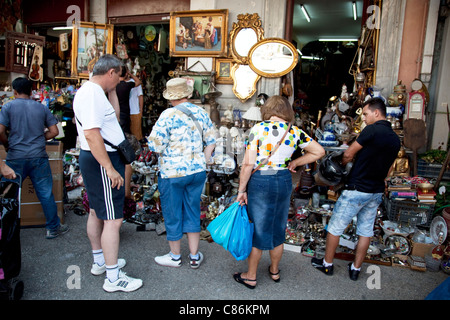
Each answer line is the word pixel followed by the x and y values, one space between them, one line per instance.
pixel 123 90
pixel 372 155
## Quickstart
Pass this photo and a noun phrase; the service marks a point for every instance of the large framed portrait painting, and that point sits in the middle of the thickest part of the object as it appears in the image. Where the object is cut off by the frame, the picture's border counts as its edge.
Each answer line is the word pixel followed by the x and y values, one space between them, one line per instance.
pixel 199 33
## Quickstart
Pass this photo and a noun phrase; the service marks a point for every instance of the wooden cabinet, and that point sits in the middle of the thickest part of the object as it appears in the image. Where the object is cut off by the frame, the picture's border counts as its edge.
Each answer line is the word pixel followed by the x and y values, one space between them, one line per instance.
pixel 19 49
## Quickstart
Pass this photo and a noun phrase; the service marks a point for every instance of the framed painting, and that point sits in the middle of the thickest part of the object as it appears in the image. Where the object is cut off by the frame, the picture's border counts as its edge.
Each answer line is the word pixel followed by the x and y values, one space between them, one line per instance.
pixel 90 41
pixel 199 33
pixel 223 70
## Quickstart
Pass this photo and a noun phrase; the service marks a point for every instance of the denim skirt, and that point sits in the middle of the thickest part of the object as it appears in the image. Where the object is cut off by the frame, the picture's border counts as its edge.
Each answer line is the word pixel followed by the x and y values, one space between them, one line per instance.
pixel 269 194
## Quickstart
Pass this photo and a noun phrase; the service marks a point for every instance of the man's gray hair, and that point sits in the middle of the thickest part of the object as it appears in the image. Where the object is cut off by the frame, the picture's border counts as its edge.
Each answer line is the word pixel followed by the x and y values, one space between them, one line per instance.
pixel 105 63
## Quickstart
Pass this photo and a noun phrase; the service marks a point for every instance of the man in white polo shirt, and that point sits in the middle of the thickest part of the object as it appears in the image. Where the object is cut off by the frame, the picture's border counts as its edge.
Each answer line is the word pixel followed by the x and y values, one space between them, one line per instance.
pixel 103 171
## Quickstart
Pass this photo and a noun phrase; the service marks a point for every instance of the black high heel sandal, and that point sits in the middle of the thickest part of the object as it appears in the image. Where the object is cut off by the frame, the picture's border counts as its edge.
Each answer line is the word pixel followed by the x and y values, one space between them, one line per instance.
pixel 274 274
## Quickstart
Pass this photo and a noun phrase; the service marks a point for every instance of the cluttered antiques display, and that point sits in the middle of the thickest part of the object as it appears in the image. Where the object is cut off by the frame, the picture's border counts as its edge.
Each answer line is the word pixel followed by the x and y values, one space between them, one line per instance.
pixel 411 229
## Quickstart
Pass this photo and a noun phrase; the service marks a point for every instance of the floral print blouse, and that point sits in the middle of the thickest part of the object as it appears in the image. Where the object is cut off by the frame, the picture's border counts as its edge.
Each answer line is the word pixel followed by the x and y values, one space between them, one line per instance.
pixel 178 141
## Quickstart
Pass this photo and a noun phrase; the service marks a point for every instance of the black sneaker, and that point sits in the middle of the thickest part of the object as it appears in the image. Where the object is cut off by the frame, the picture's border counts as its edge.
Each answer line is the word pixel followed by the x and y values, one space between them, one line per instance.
pixel 318 264
pixel 353 273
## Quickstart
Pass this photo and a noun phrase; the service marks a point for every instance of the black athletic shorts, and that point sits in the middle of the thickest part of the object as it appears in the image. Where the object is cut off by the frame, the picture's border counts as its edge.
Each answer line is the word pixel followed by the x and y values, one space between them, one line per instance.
pixel 106 201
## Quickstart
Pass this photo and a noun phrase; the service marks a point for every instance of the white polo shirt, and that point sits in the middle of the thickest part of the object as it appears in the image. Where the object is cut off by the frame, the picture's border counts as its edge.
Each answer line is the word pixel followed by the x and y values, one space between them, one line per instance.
pixel 93 109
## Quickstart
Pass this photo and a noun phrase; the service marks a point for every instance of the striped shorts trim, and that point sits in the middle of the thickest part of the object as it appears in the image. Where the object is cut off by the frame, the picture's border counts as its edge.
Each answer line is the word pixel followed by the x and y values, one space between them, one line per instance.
pixel 106 201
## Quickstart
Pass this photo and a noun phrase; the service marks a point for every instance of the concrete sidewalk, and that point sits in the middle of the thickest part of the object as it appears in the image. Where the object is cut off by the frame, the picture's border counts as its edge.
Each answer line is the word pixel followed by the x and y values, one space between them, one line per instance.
pixel 50 269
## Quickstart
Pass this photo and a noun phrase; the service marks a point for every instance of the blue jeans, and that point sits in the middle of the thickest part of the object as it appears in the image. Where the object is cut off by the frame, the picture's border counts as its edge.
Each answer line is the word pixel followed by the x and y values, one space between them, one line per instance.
pixel 38 169
pixel 180 203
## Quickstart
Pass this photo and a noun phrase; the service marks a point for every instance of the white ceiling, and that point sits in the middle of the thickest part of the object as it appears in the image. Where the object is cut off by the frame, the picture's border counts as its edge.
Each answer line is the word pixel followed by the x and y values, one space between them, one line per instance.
pixel 329 19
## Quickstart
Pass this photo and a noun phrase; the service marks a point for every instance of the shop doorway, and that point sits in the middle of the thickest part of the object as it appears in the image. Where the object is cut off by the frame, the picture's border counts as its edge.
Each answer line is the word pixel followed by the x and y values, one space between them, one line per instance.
pixel 324 71
pixel 144 48
pixel 326 33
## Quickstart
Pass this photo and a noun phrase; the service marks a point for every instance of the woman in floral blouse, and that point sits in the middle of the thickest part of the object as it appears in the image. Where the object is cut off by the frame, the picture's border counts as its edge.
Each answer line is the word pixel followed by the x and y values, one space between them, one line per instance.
pixel 184 144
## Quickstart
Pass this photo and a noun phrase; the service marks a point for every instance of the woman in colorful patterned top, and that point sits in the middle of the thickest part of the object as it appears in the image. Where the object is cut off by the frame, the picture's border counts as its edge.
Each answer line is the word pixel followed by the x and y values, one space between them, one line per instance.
pixel 184 144
pixel 267 192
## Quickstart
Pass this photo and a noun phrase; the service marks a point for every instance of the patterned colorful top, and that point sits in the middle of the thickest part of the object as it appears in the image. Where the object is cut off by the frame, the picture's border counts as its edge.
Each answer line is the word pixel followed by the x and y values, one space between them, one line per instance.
pixel 265 135
pixel 177 139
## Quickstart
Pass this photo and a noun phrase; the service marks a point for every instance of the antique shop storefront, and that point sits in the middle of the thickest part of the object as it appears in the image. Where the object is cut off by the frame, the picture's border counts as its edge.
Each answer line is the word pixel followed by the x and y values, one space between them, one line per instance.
pixel 224 53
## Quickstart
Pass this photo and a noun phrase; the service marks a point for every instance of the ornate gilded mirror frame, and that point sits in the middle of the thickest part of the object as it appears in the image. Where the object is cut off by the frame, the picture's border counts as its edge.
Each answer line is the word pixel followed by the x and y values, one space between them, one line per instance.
pixel 245 80
pixel 243 35
pixel 273 57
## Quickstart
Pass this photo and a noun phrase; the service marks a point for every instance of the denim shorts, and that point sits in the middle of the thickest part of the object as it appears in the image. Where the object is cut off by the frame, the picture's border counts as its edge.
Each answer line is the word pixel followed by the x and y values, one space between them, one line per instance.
pixel 269 195
pixel 180 204
pixel 353 203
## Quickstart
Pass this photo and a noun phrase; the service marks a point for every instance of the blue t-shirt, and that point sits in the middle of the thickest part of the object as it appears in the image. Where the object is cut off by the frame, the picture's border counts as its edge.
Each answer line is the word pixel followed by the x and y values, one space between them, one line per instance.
pixel 26 120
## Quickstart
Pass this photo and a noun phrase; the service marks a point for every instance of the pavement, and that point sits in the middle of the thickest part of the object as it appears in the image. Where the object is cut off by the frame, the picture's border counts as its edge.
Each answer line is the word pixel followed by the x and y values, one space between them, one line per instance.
pixel 59 269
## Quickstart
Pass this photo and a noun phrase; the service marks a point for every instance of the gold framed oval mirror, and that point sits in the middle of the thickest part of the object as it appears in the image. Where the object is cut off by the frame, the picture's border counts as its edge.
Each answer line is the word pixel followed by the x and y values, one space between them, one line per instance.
pixel 273 57
pixel 244 81
pixel 243 35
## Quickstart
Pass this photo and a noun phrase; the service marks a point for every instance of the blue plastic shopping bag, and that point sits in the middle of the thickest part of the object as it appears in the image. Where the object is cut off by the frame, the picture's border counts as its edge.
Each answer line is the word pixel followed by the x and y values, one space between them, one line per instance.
pixel 220 228
pixel 240 242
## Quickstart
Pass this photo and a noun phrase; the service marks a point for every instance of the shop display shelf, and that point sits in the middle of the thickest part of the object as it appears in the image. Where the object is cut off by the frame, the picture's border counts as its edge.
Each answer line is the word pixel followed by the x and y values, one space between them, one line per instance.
pixel 431 170
pixel 413 212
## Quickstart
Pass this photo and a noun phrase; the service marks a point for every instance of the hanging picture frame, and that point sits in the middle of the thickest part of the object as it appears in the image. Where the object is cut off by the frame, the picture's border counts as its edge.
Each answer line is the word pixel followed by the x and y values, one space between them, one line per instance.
pixel 199 33
pixel 223 70
pixel 90 40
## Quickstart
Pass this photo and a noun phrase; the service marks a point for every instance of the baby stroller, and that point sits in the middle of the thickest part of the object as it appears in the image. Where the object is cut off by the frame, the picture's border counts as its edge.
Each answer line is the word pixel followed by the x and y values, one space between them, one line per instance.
pixel 10 252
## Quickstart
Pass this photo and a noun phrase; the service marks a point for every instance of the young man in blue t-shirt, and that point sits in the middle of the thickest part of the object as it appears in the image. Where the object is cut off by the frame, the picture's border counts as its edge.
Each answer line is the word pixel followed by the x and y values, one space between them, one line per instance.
pixel 30 124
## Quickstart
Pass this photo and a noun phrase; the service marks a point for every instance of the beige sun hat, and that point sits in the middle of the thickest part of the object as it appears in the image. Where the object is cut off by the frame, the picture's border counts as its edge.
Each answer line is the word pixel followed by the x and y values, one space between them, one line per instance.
pixel 177 88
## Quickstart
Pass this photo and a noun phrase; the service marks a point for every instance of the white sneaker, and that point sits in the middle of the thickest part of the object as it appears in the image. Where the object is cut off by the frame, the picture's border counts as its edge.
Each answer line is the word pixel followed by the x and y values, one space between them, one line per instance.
pixel 196 263
pixel 97 270
pixel 123 283
pixel 168 261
